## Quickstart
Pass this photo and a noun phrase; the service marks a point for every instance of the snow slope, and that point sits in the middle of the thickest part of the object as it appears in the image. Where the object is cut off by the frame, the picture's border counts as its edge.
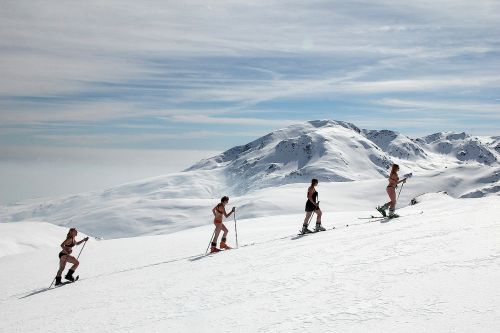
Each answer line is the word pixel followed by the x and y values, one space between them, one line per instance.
pixel 335 152
pixel 29 236
pixel 431 272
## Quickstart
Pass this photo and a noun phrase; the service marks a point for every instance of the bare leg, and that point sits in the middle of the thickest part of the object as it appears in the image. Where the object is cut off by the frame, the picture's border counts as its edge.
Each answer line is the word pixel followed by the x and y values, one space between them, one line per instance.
pixel 224 229
pixel 318 216
pixel 74 261
pixel 308 216
pixel 391 191
pixel 217 232
pixel 62 264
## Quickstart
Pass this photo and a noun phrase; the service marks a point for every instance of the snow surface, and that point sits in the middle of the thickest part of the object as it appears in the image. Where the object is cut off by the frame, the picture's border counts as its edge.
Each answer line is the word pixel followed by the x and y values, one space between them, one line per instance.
pixel 29 236
pixel 270 176
pixel 432 272
pixel 435 269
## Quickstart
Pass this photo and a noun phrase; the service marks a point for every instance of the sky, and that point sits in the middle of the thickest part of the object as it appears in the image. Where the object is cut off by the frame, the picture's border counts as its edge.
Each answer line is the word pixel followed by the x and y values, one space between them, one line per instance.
pixel 114 89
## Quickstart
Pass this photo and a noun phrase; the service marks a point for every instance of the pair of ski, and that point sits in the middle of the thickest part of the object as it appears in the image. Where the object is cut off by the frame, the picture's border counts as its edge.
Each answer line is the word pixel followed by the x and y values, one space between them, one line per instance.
pixel 312 232
pixel 395 216
pixel 219 251
pixel 67 282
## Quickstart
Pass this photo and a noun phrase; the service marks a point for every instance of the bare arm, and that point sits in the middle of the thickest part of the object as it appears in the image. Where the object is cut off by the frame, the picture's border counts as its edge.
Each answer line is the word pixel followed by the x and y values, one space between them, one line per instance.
pixel 226 214
pixel 83 240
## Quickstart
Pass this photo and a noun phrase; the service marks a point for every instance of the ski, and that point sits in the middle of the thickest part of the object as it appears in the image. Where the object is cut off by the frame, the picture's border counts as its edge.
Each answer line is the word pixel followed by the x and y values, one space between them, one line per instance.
pixel 221 250
pixel 413 214
pixel 371 217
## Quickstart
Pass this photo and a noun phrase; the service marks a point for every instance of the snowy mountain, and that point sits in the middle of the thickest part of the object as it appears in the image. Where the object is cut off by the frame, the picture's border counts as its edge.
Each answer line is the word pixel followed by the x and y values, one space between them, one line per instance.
pixel 461 146
pixel 327 150
pixel 339 151
pixel 396 144
pixel 432 272
pixel 270 175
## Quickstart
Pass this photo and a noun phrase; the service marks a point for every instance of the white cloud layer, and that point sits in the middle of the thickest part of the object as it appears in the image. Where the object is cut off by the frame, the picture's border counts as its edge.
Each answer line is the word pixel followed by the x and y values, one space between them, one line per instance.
pixel 113 68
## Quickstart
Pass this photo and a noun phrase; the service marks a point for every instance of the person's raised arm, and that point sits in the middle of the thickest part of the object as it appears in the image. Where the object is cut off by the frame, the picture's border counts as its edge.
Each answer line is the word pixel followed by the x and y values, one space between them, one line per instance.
pixel 83 240
pixel 226 214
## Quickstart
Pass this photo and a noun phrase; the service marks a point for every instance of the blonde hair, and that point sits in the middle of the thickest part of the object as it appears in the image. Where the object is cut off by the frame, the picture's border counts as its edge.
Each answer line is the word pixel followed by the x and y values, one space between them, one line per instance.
pixel 394 168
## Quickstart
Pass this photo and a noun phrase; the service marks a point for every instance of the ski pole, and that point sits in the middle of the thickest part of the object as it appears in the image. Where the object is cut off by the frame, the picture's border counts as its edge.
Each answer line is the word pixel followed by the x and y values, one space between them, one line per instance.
pixel 400 191
pixel 408 175
pixel 235 229
pixel 210 242
pixel 81 250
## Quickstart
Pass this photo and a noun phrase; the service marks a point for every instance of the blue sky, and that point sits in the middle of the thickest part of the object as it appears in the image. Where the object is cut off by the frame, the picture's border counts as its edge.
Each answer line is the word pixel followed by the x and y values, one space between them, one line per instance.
pixel 77 79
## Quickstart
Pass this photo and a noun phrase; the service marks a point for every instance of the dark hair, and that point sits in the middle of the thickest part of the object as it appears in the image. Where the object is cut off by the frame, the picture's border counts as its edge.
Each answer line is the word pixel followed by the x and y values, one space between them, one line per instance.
pixel 313 181
pixel 69 233
pixel 394 168
pixel 224 198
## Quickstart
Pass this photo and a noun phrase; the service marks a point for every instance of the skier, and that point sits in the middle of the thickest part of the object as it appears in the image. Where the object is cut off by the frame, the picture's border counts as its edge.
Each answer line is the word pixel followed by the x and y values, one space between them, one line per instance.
pixel 219 212
pixel 312 205
pixel 65 256
pixel 391 191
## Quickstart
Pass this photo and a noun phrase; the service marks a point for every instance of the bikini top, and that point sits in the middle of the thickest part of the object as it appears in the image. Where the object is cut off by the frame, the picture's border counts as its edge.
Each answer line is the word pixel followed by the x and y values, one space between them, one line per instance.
pixel 393 180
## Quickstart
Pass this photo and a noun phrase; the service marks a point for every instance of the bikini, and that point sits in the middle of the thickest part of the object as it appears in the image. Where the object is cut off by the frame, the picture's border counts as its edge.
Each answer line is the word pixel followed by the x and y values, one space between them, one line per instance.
pixel 393 186
pixel 310 206
pixel 61 254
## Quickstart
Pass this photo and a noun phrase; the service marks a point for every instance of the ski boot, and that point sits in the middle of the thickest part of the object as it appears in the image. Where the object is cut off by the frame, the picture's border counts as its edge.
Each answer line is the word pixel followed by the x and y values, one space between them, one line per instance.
pixel 58 281
pixel 213 248
pixel 392 214
pixel 382 209
pixel 223 245
pixel 69 276
pixel 305 230
pixel 319 227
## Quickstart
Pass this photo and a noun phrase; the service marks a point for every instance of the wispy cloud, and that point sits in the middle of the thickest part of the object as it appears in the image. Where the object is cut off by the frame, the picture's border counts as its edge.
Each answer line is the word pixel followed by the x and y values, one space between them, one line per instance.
pixel 475 109
pixel 203 119
pixel 132 67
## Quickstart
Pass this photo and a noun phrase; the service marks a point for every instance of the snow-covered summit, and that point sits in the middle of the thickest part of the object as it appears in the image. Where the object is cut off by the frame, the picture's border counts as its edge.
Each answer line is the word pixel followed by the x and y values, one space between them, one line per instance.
pixel 339 151
pixel 324 149
pixel 460 146
pixel 396 144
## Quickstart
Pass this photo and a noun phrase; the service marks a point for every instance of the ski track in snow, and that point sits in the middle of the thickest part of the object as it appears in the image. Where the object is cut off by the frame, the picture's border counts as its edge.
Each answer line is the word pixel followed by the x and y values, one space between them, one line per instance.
pixel 431 272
